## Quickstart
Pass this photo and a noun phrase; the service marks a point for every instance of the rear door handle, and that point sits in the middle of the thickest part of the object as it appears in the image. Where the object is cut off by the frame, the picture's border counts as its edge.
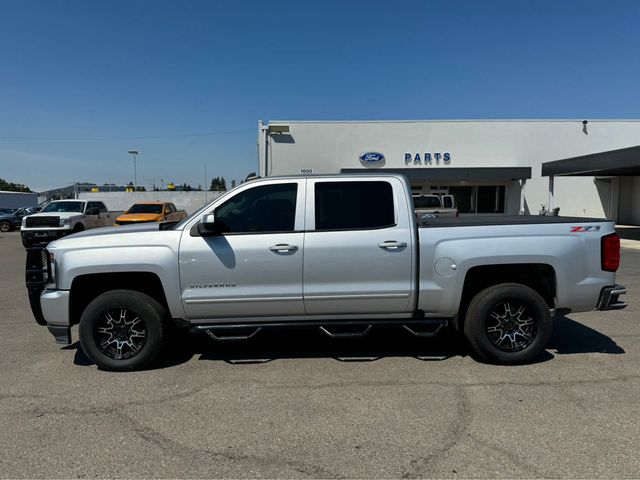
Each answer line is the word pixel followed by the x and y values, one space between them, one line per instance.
pixel 392 245
pixel 283 247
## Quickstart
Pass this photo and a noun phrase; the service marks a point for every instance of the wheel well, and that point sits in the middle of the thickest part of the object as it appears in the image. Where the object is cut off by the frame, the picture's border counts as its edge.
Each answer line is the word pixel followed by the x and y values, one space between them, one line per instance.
pixel 87 287
pixel 540 277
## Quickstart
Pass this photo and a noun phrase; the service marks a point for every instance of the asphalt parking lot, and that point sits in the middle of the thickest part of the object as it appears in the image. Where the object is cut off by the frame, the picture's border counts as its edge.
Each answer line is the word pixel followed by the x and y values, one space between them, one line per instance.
pixel 304 405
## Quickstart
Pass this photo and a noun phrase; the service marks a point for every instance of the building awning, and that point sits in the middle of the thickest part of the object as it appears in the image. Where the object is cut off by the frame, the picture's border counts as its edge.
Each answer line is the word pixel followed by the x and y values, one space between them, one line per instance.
pixel 625 161
pixel 448 174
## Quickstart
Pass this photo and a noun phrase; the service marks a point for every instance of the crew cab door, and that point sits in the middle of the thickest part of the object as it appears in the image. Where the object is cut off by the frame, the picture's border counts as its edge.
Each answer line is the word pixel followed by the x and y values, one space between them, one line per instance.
pixel 253 268
pixel 359 250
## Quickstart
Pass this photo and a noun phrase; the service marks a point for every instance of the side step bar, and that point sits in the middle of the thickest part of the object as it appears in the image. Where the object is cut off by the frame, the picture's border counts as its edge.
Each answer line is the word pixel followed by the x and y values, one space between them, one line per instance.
pixel 338 329
pixel 232 334
pixel 426 328
pixel 348 332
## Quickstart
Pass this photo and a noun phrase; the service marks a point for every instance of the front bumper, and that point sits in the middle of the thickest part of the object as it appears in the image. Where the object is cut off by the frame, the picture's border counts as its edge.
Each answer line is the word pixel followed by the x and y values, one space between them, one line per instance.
pixel 55 310
pixel 42 237
pixel 609 298
pixel 49 307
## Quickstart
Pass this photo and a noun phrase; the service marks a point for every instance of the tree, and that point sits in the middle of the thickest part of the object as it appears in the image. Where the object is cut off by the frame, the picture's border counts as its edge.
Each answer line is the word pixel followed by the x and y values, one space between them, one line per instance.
pixel 233 183
pixel 218 184
pixel 13 187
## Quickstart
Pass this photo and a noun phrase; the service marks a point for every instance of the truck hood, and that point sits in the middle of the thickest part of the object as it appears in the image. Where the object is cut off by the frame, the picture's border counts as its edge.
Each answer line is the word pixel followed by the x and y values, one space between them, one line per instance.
pixel 57 214
pixel 109 234
pixel 140 217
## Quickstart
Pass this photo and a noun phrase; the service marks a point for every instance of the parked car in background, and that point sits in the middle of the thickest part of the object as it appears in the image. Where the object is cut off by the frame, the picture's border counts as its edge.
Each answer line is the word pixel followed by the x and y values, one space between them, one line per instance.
pixel 8 211
pixel 8 222
pixel 151 212
pixel 433 205
pixel 61 218
pixel 23 212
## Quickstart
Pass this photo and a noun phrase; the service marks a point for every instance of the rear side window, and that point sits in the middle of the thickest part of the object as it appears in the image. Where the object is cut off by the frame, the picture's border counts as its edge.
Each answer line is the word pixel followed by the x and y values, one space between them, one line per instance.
pixel 354 205
pixel 268 208
pixel 426 202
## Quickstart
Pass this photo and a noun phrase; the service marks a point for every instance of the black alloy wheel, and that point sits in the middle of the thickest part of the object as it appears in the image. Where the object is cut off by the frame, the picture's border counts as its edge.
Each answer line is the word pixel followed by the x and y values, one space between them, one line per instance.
pixel 510 326
pixel 508 323
pixel 123 330
pixel 120 333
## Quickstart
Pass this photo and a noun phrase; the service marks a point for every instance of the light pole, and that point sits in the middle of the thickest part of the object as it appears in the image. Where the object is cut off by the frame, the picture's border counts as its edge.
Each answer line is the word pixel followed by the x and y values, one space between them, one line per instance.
pixel 135 171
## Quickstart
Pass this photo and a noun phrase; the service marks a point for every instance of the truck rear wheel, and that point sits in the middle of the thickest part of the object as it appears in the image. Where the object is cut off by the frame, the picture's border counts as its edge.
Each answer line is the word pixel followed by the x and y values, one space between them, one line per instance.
pixel 508 323
pixel 122 330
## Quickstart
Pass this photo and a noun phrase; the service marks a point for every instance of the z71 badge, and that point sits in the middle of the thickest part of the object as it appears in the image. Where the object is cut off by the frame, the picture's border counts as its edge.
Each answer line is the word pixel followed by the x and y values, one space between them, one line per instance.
pixel 586 228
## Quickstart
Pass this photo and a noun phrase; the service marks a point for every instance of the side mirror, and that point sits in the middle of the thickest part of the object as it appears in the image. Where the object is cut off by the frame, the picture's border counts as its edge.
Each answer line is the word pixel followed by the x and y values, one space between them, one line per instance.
pixel 208 226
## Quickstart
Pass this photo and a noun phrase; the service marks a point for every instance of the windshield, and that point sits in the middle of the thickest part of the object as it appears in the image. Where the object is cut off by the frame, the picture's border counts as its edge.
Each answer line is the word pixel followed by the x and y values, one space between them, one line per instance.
pixel 145 208
pixel 64 207
pixel 426 202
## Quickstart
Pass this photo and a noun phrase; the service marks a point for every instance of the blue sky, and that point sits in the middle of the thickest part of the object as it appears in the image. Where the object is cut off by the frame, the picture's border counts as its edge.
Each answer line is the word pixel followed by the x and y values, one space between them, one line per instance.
pixel 185 82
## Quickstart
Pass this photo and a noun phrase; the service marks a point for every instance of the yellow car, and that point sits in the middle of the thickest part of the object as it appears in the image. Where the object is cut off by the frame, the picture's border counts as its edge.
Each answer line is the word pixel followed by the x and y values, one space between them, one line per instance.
pixel 151 212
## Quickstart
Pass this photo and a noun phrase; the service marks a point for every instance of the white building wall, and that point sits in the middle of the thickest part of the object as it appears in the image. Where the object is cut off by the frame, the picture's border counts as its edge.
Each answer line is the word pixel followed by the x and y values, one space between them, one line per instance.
pixel 328 147
pixel 119 201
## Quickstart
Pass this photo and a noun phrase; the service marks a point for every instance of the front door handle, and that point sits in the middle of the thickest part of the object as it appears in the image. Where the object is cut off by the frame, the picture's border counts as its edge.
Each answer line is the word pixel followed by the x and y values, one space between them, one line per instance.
pixel 392 245
pixel 283 247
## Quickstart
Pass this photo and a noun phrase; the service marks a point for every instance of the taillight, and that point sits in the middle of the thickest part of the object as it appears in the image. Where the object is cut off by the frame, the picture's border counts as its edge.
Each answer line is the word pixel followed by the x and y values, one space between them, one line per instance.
pixel 610 252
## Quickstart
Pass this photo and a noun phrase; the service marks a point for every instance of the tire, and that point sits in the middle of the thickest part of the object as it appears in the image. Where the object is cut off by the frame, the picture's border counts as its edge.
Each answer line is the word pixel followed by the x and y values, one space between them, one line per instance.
pixel 5 226
pixel 508 324
pixel 78 228
pixel 123 330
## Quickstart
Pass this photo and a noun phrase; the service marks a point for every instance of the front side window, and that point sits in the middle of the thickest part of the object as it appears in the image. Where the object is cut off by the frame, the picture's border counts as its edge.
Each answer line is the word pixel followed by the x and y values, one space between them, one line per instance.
pixel 92 207
pixel 268 208
pixel 354 205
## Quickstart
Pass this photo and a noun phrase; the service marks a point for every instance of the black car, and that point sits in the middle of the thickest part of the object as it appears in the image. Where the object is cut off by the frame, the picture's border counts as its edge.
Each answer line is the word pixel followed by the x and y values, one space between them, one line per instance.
pixel 8 211
pixel 8 222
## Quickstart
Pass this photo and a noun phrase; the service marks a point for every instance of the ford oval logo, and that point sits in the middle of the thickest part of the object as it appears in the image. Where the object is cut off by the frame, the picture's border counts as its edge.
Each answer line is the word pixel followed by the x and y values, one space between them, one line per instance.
pixel 371 158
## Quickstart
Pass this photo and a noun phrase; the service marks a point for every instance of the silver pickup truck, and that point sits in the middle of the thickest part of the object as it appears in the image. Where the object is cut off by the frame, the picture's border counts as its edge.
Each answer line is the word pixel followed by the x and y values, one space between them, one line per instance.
pixel 342 253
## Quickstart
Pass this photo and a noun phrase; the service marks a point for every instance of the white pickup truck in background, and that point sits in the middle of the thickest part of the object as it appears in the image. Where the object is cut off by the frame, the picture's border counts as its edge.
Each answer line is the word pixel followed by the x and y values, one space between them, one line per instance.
pixel 434 206
pixel 64 217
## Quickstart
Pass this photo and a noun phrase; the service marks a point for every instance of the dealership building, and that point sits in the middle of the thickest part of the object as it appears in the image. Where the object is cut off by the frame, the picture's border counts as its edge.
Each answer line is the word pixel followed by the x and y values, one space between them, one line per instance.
pixel 587 168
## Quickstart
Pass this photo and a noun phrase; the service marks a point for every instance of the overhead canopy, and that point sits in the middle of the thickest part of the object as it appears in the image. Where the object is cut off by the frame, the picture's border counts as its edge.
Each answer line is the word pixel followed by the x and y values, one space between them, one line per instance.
pixel 448 174
pixel 625 161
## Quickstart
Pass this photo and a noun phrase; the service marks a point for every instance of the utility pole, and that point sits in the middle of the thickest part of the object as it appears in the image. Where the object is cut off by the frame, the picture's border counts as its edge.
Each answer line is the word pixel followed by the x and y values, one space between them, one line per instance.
pixel 134 153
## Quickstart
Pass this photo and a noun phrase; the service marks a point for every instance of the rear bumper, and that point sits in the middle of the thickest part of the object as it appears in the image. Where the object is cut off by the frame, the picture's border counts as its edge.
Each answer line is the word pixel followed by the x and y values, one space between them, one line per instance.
pixel 609 298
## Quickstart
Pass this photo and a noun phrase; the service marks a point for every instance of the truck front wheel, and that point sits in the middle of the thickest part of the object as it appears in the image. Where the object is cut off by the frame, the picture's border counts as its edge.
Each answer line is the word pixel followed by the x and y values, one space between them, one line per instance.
pixel 122 330
pixel 508 323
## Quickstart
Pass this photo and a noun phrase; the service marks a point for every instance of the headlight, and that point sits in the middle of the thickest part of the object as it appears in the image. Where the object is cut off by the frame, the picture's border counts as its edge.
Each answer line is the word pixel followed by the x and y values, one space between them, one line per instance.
pixel 65 221
pixel 24 221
